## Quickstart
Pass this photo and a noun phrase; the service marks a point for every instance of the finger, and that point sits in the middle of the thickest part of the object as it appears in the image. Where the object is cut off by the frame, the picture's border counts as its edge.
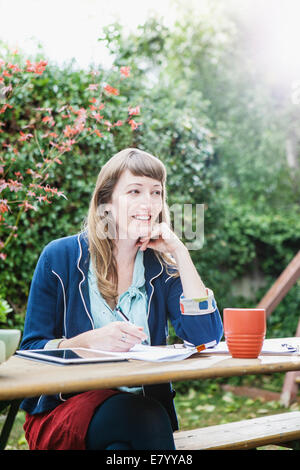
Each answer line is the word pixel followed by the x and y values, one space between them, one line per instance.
pixel 150 242
pixel 128 339
pixel 136 332
pixel 153 236
pixel 120 346
pixel 123 343
pixel 133 337
pixel 143 247
pixel 165 232
pixel 154 232
pixel 128 342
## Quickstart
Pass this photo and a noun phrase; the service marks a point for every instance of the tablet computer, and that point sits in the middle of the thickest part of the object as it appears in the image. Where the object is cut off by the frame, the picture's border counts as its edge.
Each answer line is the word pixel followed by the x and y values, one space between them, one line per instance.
pixel 70 356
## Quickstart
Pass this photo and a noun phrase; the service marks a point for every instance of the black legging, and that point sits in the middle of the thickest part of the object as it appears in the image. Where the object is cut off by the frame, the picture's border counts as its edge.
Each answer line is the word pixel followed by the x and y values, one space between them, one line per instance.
pixel 126 421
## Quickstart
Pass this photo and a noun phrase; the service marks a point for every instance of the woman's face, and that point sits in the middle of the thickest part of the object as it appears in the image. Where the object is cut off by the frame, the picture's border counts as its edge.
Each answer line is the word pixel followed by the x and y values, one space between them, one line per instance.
pixel 136 205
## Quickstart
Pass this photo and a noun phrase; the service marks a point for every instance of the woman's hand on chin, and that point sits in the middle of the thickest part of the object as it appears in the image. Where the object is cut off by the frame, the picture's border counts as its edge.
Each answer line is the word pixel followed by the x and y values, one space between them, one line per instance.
pixel 161 238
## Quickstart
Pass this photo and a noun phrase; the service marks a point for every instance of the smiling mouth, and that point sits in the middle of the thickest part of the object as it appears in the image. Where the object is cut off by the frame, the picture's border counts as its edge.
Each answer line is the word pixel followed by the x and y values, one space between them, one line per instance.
pixel 144 218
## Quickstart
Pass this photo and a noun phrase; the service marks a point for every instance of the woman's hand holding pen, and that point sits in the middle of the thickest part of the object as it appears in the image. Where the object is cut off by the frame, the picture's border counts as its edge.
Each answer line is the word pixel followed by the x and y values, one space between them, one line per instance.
pixel 116 336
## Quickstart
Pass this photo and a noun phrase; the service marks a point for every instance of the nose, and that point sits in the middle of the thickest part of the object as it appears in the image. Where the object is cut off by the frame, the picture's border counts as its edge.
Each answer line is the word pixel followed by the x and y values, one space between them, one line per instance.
pixel 145 201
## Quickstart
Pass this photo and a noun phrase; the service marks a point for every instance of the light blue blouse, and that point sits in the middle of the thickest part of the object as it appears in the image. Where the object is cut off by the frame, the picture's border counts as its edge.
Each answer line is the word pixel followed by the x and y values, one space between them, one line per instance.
pixel 133 302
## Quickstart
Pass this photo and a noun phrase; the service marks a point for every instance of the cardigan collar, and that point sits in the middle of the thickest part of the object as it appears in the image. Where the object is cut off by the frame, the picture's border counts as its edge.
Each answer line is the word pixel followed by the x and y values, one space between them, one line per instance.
pixel 153 267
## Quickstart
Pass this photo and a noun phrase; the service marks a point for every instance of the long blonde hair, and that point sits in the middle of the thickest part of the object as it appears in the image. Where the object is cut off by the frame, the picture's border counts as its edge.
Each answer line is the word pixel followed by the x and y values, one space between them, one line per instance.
pixel 139 163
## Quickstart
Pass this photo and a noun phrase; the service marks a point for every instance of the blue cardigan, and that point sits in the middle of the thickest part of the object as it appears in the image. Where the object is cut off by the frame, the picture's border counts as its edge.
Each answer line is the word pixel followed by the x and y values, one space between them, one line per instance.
pixel 59 306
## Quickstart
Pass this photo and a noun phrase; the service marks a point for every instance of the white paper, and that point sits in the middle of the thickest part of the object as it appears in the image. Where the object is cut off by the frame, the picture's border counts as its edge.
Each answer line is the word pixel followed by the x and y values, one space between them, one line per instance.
pixel 178 352
pixel 156 353
pixel 275 346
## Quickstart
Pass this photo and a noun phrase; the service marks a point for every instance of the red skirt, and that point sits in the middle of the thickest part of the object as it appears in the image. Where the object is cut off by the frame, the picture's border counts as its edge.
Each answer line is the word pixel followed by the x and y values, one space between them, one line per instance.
pixel 64 427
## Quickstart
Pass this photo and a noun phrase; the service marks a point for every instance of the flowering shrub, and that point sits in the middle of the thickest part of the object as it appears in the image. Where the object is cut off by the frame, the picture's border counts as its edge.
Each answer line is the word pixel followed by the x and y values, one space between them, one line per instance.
pixel 54 133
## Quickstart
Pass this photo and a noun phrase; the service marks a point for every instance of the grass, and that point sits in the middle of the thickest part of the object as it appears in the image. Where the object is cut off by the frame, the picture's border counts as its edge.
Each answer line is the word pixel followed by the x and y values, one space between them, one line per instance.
pixel 17 439
pixel 197 406
pixel 214 406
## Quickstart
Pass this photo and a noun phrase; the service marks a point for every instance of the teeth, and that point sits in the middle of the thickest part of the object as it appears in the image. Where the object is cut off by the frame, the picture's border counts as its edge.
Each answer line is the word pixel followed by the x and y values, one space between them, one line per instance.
pixel 142 217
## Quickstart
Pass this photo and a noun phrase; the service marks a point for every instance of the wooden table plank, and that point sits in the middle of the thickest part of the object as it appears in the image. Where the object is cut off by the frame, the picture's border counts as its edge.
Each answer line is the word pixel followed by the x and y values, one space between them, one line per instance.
pixel 21 377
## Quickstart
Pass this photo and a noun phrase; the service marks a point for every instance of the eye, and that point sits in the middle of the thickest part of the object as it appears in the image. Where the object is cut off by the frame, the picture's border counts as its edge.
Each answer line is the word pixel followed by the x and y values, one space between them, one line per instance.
pixel 134 191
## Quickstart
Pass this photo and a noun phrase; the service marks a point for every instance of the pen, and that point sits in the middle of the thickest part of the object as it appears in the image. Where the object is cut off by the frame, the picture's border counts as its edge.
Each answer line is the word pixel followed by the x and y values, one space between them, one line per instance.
pixel 290 347
pixel 122 314
pixel 145 341
pixel 202 347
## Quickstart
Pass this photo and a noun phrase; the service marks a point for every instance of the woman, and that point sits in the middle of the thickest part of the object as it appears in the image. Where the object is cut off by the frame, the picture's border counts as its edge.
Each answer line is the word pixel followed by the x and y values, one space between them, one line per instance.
pixel 126 261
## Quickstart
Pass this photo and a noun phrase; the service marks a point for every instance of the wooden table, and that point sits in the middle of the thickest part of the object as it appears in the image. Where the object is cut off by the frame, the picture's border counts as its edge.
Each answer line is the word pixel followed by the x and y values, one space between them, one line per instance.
pixel 20 378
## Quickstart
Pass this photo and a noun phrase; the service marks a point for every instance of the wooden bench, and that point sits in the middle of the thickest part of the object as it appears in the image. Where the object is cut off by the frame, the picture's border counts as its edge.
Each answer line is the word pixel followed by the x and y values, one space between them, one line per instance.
pixel 281 429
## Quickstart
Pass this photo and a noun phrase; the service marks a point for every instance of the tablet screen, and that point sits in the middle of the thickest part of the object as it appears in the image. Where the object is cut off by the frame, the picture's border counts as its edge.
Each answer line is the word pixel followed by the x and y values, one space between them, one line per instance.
pixel 70 356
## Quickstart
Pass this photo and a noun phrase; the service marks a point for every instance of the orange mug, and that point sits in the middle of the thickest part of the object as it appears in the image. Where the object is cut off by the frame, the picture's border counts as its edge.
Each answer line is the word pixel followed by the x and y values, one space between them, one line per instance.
pixel 244 330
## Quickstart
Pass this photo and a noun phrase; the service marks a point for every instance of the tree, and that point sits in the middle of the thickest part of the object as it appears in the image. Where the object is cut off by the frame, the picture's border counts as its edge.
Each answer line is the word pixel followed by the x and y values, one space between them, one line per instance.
pixel 200 71
pixel 57 128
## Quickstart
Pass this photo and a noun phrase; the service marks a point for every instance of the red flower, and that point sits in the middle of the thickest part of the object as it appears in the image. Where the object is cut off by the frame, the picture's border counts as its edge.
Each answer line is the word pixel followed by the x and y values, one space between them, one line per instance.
pixel 98 133
pixel 97 116
pixel 14 185
pixel 108 124
pixel 49 119
pixel 3 206
pixel 134 111
pixel 110 90
pixel 125 71
pixel 27 206
pixel 37 67
pixel 4 108
pixel 69 131
pixel 13 67
pixel 5 73
pixel 134 125
pixel 50 134
pixel 24 136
